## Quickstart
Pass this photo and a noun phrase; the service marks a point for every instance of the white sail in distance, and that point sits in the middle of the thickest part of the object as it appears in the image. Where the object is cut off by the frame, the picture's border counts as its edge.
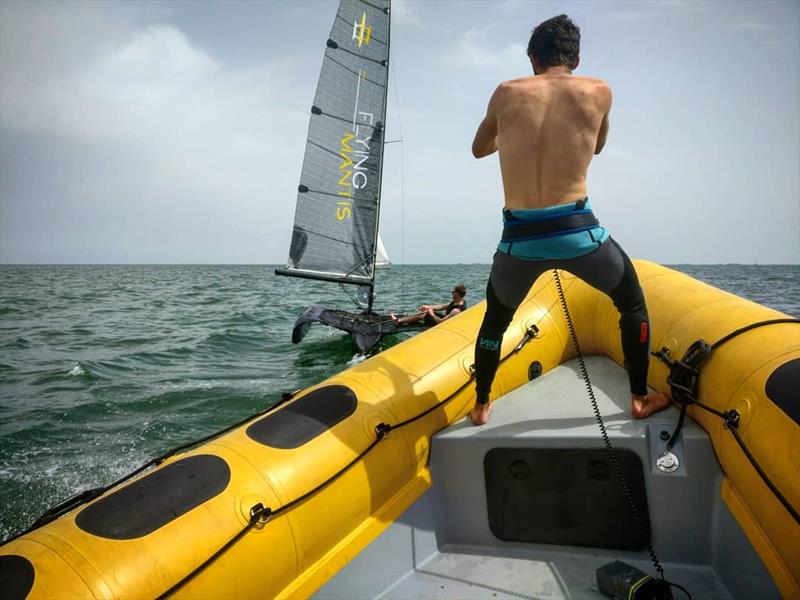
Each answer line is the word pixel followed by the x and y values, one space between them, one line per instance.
pixel 381 257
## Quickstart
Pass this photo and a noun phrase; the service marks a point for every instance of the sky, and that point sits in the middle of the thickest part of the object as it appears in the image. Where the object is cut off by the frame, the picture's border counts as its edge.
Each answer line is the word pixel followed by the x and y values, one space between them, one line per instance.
pixel 174 132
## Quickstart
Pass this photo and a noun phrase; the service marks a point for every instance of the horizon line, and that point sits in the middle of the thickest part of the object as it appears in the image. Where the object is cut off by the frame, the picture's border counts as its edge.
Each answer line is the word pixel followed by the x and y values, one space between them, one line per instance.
pixel 203 264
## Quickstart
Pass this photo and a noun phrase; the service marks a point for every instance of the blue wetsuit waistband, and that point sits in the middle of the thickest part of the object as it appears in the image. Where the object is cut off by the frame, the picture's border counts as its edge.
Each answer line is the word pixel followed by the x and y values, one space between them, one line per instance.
pixel 566 243
pixel 552 221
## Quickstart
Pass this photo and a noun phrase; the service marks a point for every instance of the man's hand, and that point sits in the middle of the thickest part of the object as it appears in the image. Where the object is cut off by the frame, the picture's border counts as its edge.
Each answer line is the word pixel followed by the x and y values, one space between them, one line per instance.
pixel 436 318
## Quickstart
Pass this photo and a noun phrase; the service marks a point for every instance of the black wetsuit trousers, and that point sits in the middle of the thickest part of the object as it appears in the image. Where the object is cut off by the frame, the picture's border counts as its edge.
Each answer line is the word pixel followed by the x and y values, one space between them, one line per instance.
pixel 606 268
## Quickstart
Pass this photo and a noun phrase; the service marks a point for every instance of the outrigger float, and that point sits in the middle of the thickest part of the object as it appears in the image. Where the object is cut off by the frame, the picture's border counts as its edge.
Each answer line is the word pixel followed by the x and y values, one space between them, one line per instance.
pixel 371 484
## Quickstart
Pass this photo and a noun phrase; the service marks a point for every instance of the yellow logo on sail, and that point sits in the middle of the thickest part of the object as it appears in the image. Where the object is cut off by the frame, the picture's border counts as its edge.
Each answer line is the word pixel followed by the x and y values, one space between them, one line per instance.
pixel 343 205
pixel 353 168
pixel 361 31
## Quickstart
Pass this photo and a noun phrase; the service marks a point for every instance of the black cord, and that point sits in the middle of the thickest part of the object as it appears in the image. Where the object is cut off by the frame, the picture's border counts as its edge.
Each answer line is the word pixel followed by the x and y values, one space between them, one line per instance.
pixel 612 452
pixel 763 475
pixel 680 587
pixel 746 328
pixel 258 515
pixel 262 514
pixel 382 431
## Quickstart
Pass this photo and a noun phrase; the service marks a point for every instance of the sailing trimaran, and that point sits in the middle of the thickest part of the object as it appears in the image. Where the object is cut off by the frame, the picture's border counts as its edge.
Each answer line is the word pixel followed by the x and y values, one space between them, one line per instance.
pixel 335 235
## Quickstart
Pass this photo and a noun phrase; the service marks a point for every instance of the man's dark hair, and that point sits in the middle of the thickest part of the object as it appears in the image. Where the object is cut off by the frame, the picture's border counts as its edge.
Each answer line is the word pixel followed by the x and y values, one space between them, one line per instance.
pixel 555 42
pixel 461 289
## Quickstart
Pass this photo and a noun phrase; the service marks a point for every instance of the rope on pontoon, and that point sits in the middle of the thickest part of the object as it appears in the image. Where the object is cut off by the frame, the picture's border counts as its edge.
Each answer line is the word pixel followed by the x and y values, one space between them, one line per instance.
pixel 260 515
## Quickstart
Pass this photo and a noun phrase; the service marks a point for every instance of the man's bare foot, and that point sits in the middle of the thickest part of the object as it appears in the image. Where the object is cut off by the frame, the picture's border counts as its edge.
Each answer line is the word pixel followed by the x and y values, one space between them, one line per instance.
pixel 479 415
pixel 644 406
pixel 393 317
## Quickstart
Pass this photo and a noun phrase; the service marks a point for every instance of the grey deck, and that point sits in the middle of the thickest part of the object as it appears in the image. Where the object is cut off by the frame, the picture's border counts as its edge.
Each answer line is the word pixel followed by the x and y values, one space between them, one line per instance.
pixel 457 573
pixel 442 547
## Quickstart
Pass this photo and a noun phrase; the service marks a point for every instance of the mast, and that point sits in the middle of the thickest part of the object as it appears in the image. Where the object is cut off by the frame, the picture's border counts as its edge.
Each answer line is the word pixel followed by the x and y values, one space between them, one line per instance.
pixel 338 201
pixel 388 10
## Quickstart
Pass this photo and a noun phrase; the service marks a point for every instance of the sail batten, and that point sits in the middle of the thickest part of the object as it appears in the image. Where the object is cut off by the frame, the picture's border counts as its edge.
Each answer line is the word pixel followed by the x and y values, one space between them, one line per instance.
pixel 336 62
pixel 333 239
pixel 335 231
pixel 346 120
pixel 369 203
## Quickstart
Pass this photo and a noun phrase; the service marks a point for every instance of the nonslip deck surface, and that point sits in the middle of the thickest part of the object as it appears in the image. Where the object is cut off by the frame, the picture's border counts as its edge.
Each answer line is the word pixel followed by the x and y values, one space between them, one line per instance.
pixel 468 573
pixel 444 546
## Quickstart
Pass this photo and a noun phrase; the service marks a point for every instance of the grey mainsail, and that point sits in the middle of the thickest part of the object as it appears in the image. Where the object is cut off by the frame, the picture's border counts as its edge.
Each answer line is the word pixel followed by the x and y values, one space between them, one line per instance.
pixel 335 234
pixel 338 199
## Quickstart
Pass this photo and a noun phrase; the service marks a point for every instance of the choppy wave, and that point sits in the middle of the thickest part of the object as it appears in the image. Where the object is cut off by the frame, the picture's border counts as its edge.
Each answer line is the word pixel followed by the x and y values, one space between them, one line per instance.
pixel 19 342
pixel 66 374
pixel 79 371
pixel 236 341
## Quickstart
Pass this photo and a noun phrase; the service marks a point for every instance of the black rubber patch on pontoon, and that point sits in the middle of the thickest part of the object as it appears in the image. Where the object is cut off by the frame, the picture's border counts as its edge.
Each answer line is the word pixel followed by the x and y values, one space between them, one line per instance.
pixel 305 418
pixel 782 386
pixel 16 577
pixel 155 500
pixel 565 496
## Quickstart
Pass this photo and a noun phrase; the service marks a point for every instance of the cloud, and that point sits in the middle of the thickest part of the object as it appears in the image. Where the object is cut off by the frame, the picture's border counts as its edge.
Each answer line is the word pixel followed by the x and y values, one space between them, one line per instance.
pixel 186 139
pixel 157 89
pixel 406 12
pixel 632 16
pixel 121 93
pixel 478 48
pixel 678 4
pixel 652 9
pixel 508 7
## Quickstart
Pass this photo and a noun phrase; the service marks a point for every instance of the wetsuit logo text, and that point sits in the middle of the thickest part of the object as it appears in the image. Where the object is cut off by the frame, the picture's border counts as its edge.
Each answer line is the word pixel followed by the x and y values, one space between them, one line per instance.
pixel 488 344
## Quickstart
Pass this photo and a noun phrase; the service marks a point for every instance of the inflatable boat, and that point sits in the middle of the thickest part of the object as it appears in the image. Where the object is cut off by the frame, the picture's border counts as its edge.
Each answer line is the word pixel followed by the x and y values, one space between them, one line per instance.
pixel 372 484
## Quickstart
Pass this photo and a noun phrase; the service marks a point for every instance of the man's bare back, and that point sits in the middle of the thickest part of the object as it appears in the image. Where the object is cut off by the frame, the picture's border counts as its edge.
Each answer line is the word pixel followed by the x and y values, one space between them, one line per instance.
pixel 546 128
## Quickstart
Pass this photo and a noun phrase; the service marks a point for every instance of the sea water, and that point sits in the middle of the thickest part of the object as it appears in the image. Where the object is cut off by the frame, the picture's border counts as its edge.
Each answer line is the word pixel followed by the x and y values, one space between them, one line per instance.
pixel 103 368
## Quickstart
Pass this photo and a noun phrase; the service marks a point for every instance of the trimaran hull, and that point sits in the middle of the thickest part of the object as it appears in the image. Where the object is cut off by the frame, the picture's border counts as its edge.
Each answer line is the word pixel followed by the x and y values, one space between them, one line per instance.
pixel 366 329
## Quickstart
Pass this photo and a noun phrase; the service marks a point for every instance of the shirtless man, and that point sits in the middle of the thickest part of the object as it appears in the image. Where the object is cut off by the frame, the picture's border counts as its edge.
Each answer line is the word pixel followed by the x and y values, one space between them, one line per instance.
pixel 428 314
pixel 546 129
